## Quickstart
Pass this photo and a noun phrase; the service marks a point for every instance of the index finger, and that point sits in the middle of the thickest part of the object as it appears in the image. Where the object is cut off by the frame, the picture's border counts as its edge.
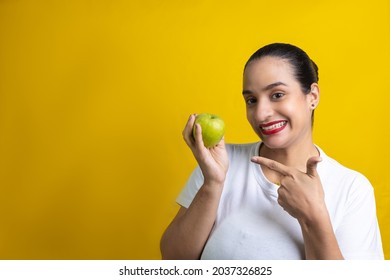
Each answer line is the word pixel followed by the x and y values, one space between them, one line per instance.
pixel 272 164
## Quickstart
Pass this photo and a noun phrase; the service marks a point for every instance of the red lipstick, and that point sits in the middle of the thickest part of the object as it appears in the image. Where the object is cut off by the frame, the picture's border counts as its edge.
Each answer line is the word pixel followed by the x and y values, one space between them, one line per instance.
pixel 272 127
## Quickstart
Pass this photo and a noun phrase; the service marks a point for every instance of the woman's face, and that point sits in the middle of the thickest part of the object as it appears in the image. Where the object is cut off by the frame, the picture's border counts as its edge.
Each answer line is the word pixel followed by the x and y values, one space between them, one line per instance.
pixel 277 109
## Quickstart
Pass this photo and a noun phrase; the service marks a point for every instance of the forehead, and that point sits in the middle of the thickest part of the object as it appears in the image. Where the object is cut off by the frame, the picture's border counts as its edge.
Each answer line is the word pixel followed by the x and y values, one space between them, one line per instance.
pixel 268 70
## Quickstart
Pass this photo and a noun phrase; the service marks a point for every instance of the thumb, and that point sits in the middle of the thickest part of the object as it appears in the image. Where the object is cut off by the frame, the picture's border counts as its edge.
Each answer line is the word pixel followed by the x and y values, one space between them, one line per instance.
pixel 197 133
pixel 311 166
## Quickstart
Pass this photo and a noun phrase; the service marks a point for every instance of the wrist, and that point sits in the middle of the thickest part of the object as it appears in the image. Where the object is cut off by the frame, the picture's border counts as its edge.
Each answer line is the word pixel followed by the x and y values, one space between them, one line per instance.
pixel 315 219
pixel 214 183
pixel 211 190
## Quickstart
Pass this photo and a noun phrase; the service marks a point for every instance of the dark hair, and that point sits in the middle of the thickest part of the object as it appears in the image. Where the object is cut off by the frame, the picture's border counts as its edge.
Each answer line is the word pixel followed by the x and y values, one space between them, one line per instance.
pixel 305 70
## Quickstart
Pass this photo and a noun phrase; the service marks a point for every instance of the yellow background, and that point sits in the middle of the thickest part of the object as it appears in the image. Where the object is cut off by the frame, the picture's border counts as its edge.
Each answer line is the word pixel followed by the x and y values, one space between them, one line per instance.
pixel 94 96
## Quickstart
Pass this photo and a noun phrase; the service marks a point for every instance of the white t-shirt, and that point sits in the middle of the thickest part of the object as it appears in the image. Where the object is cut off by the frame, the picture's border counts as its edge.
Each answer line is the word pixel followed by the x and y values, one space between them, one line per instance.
pixel 250 223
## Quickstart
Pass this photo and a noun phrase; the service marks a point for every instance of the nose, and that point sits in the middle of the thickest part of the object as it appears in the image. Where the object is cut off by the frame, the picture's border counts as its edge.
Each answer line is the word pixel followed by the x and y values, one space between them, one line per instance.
pixel 263 110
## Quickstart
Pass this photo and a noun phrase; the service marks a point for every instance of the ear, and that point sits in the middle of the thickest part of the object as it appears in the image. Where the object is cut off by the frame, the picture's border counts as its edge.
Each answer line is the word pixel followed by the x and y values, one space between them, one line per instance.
pixel 313 98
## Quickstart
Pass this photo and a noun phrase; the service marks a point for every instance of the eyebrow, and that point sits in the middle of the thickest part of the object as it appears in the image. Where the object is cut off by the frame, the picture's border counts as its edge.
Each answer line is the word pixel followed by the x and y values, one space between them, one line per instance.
pixel 269 87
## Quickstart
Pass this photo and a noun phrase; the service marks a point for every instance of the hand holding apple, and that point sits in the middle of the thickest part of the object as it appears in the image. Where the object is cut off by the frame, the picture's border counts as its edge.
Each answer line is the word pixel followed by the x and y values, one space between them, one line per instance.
pixel 213 161
pixel 213 129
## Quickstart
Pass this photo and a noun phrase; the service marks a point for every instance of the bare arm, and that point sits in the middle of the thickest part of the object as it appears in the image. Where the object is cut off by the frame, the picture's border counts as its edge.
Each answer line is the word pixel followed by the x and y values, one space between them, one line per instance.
pixel 187 234
pixel 319 238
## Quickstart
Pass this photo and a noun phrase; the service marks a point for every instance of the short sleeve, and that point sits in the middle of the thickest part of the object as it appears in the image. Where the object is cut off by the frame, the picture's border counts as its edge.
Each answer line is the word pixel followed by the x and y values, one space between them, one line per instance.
pixel 195 181
pixel 358 234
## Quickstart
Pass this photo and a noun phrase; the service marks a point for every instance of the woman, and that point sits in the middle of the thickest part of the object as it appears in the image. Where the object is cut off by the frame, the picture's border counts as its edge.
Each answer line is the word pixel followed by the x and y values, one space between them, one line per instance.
pixel 282 197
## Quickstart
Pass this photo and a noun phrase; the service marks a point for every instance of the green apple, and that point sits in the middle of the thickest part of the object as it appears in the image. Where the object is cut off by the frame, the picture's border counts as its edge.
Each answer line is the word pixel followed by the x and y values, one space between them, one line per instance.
pixel 213 129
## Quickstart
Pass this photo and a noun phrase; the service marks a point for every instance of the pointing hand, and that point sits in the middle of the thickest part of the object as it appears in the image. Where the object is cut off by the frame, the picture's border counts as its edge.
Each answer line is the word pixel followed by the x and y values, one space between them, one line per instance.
pixel 300 194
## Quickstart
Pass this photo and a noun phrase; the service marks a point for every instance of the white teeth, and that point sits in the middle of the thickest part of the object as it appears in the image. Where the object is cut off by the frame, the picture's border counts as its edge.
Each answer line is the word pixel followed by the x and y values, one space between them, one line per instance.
pixel 274 126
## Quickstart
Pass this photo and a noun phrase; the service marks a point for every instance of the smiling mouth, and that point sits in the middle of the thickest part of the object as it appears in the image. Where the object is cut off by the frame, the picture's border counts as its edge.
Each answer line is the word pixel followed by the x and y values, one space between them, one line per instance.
pixel 273 127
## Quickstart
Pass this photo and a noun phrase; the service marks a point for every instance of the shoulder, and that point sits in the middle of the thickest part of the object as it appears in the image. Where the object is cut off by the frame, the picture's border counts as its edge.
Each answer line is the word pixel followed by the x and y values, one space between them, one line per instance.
pixel 333 171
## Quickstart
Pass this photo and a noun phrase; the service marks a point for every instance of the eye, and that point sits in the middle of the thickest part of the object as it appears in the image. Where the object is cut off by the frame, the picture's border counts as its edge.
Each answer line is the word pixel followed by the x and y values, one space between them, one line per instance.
pixel 250 101
pixel 277 95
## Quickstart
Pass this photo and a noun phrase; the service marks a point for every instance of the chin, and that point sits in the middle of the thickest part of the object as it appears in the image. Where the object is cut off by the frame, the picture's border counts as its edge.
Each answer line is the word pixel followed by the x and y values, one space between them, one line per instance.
pixel 274 143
